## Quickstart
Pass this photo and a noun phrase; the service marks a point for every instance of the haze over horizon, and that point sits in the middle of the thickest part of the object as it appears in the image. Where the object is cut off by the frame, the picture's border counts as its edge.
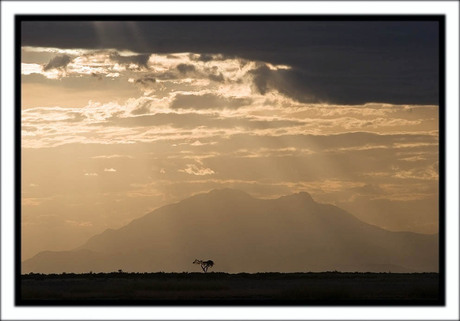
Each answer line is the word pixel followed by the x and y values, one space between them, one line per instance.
pixel 241 233
pixel 121 118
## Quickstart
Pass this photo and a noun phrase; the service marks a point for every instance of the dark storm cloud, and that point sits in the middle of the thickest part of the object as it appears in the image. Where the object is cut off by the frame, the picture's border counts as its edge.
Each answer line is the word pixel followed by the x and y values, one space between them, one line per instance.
pixel 205 58
pixel 180 72
pixel 185 68
pixel 265 79
pixel 208 101
pixel 262 76
pixel 140 60
pixel 217 78
pixel 347 62
pixel 154 77
pixel 60 61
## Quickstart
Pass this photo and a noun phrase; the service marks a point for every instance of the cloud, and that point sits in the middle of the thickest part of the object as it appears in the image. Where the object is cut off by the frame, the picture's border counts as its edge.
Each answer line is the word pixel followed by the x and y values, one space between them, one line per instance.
pixel 144 108
pixel 185 68
pixel 194 120
pixel 217 78
pixel 283 80
pixel 151 118
pixel 110 170
pixel 268 119
pixel 108 63
pixel 430 172
pixel 27 69
pixel 111 156
pixel 197 143
pixel 208 101
pixel 346 62
pixel 91 174
pixel 75 117
pixel 146 80
pixel 262 78
pixel 368 189
pixel 79 224
pixel 204 57
pixel 60 61
pixel 29 128
pixel 139 60
pixel 34 201
pixel 338 143
pixel 193 169
pixel 113 75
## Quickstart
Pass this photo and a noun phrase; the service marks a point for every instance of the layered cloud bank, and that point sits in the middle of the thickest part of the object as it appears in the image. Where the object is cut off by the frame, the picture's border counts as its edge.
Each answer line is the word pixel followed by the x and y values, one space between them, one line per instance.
pixel 345 62
pixel 109 135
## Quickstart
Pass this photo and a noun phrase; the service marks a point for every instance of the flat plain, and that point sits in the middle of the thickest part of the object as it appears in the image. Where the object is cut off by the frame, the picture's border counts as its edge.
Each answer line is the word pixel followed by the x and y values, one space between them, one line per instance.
pixel 214 288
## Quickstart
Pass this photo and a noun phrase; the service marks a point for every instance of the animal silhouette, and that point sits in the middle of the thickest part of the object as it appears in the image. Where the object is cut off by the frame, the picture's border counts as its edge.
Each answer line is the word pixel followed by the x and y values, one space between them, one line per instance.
pixel 204 264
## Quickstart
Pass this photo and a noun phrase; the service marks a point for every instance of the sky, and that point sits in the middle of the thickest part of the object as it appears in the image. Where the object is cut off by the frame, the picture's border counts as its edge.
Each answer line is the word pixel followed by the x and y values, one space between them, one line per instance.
pixel 120 118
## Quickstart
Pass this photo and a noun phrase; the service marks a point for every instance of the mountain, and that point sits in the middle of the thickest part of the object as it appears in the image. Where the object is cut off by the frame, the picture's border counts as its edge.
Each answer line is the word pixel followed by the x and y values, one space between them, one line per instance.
pixel 244 234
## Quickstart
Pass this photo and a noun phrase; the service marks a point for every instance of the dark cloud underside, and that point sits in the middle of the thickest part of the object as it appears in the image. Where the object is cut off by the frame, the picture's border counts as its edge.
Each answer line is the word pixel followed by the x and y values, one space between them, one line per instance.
pixel 60 61
pixel 347 62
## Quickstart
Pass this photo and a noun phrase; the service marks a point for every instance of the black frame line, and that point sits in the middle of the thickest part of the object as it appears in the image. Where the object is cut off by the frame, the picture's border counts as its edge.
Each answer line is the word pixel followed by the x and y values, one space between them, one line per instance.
pixel 228 17
pixel 237 17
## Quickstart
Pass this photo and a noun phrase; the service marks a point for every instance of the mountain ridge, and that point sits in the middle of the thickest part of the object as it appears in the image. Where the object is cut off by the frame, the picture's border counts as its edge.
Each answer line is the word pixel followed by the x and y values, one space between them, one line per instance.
pixel 245 234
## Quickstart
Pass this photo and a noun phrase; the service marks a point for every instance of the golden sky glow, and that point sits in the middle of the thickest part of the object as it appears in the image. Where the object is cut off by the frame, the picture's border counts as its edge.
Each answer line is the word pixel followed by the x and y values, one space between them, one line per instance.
pixel 109 135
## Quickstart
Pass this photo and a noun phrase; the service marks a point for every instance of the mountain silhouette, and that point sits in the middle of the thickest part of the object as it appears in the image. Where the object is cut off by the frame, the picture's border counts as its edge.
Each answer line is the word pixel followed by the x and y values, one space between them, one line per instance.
pixel 244 234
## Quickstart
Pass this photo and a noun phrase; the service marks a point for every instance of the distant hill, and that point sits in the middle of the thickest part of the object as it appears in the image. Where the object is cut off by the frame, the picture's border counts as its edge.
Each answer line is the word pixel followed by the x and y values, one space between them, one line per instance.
pixel 244 234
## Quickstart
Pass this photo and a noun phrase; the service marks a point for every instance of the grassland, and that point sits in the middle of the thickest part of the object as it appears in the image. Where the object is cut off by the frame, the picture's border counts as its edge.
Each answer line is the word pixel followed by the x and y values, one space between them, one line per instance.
pixel 328 288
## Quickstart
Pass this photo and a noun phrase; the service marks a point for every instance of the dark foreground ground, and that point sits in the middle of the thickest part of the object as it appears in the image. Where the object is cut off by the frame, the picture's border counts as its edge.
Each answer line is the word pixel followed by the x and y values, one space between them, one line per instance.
pixel 328 288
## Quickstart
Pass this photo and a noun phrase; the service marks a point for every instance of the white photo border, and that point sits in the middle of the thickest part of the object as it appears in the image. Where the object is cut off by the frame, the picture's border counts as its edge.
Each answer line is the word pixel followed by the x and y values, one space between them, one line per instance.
pixel 448 8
